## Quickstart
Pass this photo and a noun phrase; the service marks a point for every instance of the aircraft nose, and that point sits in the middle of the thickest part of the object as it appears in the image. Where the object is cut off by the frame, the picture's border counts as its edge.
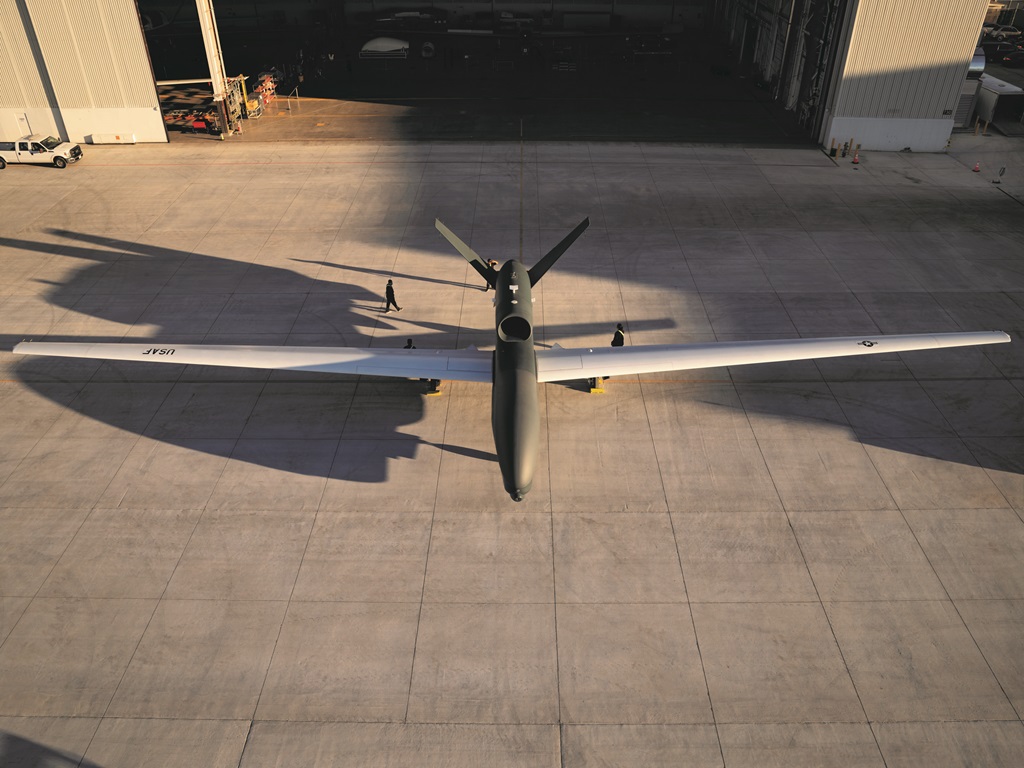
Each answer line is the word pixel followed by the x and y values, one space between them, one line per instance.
pixel 517 495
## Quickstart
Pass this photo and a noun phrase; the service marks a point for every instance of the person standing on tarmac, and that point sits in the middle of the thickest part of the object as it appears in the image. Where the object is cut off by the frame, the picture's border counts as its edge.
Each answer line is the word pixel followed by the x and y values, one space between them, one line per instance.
pixel 618 338
pixel 493 266
pixel 389 294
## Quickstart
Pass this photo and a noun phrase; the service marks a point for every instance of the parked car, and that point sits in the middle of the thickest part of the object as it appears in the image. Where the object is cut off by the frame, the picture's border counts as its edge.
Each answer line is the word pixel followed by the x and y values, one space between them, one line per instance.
pixel 995 50
pixel 1004 32
pixel 1013 59
pixel 45 150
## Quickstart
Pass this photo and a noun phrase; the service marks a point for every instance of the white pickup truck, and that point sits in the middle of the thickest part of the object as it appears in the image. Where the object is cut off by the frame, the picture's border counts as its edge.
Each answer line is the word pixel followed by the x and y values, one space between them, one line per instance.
pixel 39 149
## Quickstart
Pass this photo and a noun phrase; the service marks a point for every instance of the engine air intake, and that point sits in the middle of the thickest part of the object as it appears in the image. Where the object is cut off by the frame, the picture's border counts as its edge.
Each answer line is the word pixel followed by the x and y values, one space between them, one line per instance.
pixel 515 328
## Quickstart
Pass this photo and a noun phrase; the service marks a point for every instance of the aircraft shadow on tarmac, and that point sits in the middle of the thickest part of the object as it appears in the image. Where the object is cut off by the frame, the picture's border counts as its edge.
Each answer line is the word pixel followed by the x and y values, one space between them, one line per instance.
pixel 240 413
pixel 15 750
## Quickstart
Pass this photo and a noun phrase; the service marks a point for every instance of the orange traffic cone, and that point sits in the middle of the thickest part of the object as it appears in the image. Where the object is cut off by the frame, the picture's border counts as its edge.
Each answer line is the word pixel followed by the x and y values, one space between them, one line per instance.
pixel 977 167
pixel 856 157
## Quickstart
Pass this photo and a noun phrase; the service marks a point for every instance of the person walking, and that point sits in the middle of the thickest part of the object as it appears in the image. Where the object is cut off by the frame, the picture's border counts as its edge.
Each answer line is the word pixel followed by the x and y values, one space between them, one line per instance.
pixel 618 338
pixel 389 294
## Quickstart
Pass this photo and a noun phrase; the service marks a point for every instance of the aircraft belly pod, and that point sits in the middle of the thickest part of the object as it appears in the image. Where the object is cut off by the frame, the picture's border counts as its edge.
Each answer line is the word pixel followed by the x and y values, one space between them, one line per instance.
pixel 515 368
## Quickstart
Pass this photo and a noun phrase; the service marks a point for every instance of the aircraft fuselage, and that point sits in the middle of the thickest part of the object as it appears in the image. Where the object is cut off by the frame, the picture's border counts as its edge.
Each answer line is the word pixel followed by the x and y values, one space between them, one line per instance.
pixel 515 413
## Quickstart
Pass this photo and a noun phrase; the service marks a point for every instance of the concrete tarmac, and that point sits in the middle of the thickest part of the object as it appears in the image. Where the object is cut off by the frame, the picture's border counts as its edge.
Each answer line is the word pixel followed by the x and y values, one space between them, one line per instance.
pixel 806 564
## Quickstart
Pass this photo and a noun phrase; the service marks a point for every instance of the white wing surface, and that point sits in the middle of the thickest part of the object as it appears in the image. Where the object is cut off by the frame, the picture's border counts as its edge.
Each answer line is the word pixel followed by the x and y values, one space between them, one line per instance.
pixel 566 364
pixel 449 365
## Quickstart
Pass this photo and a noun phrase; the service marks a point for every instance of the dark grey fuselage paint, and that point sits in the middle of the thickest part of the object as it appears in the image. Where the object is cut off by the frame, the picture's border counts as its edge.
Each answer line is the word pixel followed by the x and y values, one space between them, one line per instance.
pixel 515 413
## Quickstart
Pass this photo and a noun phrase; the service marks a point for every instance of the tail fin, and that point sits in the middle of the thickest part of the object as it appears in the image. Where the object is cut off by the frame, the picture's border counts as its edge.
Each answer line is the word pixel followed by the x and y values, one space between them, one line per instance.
pixel 537 270
pixel 470 255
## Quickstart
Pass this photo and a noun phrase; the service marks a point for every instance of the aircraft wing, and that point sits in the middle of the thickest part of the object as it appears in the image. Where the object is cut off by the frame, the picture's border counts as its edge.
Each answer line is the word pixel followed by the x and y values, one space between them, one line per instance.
pixel 565 364
pixel 449 365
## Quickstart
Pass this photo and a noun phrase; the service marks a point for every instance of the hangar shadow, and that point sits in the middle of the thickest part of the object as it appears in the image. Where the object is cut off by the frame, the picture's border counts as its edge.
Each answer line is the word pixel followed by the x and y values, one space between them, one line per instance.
pixel 180 296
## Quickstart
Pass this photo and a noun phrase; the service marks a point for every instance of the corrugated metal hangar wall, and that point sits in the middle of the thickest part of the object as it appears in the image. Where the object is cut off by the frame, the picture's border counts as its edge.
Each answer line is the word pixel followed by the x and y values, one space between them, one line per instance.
pixel 77 69
pixel 899 84
pixel 887 74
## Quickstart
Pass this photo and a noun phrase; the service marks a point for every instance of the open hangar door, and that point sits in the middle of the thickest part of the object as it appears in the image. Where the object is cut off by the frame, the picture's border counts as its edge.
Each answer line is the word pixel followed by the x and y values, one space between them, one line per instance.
pixel 789 46
pixel 655 62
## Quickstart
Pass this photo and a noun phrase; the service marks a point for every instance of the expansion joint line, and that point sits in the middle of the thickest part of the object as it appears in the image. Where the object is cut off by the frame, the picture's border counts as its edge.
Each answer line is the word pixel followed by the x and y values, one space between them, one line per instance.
pixel 426 559
pixel 682 573
pixel 817 592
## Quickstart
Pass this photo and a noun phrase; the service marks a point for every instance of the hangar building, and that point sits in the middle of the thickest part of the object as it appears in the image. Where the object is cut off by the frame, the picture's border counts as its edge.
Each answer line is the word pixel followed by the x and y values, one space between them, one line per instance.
pixel 888 74
pixel 884 74
pixel 77 69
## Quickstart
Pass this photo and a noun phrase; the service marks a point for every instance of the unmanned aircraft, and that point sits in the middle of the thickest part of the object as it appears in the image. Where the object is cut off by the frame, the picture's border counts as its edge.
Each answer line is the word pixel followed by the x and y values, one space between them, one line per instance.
pixel 516 366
